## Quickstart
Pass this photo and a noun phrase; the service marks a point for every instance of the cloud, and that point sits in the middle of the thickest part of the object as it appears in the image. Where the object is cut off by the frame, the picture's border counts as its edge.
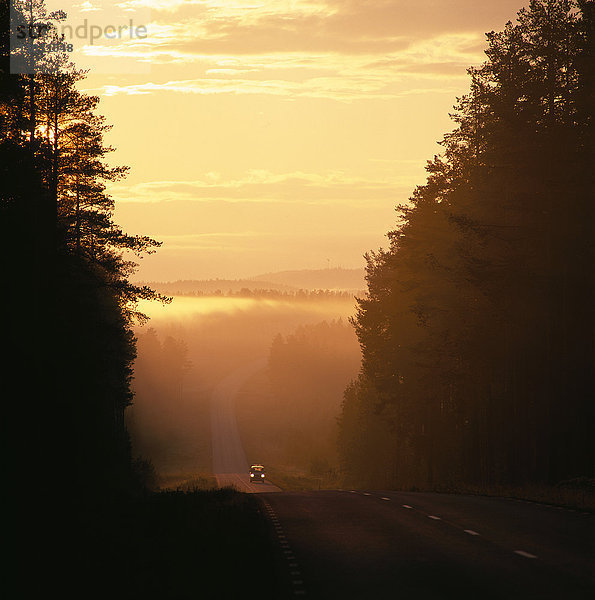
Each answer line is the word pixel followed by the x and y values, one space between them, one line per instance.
pixel 216 239
pixel 333 49
pixel 346 26
pixel 340 49
pixel 87 7
pixel 329 88
pixel 317 76
pixel 261 186
pixel 313 73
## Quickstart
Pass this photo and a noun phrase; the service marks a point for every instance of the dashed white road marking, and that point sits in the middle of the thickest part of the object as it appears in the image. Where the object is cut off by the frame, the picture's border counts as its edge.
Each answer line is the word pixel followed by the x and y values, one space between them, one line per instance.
pixel 295 575
pixel 471 532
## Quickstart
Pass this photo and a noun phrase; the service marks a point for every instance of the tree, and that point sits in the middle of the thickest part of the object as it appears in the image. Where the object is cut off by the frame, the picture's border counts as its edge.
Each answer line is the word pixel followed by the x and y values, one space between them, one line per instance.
pixel 477 328
pixel 72 305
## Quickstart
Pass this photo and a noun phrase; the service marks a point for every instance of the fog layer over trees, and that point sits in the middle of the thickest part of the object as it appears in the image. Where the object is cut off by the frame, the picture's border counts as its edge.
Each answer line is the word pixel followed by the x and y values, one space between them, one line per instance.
pixel 477 328
pixel 287 413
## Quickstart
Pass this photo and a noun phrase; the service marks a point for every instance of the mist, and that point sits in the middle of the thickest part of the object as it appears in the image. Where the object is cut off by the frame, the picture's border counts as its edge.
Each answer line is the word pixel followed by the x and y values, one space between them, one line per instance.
pixel 287 413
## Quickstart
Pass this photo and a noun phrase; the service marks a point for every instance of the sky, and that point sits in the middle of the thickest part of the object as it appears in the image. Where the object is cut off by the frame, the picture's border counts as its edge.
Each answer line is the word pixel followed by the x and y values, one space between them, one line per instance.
pixel 268 135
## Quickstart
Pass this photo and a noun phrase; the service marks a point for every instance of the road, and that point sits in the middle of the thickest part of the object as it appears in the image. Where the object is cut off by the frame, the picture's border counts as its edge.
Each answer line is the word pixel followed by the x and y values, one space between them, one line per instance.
pixel 371 545
pixel 376 545
pixel 230 466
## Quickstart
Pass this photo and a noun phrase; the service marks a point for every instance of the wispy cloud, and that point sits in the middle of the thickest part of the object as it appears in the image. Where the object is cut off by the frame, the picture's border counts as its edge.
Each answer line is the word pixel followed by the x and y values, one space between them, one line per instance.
pixel 262 186
pixel 216 239
pixel 86 7
pixel 343 90
pixel 416 68
pixel 340 49
pixel 352 26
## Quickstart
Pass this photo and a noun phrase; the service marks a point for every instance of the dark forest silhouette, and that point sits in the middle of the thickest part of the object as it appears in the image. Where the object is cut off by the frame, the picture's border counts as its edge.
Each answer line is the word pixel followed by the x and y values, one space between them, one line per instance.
pixel 79 518
pixel 70 306
pixel 477 327
pixel 73 304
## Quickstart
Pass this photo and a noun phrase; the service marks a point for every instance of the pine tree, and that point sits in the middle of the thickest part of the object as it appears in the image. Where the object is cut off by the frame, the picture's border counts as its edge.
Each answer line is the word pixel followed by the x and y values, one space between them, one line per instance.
pixel 476 330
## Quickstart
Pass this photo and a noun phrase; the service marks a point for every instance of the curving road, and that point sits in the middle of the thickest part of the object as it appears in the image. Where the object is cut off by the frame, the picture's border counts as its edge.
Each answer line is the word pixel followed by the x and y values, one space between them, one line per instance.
pixel 230 466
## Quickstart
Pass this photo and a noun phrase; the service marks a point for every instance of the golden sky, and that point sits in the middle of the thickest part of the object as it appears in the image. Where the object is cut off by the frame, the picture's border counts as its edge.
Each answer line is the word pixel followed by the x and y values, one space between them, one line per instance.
pixel 266 135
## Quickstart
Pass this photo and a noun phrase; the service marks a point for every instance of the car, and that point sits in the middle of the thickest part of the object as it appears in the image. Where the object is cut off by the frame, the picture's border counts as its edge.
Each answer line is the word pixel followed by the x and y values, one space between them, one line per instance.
pixel 257 474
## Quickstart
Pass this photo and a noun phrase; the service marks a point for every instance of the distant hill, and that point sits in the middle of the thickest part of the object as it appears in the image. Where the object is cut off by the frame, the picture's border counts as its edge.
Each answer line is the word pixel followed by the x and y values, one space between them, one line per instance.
pixel 211 286
pixel 315 279
pixel 349 280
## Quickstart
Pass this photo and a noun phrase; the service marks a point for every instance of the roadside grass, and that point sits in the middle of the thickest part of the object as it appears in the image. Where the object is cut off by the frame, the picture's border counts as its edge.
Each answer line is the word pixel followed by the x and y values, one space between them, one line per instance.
pixel 294 480
pixel 187 482
pixel 577 494
pixel 169 545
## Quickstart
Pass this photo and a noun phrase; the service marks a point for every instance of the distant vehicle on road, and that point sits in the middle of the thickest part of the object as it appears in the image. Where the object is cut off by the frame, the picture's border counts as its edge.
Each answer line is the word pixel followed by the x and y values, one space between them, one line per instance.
pixel 257 473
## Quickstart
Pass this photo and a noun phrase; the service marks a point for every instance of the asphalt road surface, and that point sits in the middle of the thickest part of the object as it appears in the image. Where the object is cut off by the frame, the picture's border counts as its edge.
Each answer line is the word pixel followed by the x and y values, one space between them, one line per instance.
pixel 371 545
pixel 230 466
pixel 376 545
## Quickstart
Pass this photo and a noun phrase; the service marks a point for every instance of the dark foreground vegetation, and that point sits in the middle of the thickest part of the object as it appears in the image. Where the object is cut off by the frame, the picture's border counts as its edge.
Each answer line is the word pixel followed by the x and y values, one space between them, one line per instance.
pixel 78 519
pixel 477 328
pixel 71 305
pixel 167 545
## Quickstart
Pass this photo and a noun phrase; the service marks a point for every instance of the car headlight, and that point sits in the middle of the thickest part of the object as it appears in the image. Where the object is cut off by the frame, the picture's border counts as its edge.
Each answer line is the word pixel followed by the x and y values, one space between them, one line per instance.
pixel 262 475
pixel 251 474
